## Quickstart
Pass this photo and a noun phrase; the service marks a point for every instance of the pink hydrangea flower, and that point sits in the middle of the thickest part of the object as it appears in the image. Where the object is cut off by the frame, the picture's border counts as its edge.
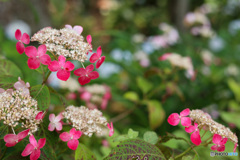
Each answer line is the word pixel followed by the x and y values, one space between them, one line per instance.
pixel 33 148
pixel 21 85
pixel 89 40
pixel 164 56
pixel 111 130
pixel 86 74
pixel 78 29
pixel 97 57
pixel 55 122
pixel 71 137
pixel 21 39
pixel 12 139
pixel 37 56
pixel 71 96
pixel 8 90
pixel 174 118
pixel 219 143
pixel 86 96
pixel 40 115
pixel 195 136
pixel 63 68
pixel 235 147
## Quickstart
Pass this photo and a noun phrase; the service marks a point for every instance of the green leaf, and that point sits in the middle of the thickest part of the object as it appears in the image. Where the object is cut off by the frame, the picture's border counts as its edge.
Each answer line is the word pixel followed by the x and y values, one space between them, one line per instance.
pixel 132 133
pixel 231 117
pixel 135 148
pixel 235 87
pixel 144 85
pixel 3 130
pixel 9 68
pixel 42 95
pixel 120 138
pixel 132 96
pixel 7 81
pixel 156 113
pixel 47 153
pixel 83 153
pixel 150 137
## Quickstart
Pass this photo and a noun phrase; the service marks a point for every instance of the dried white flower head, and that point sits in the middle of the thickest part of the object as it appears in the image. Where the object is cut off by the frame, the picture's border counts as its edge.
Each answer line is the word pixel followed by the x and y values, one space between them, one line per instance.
pixel 85 120
pixel 96 89
pixel 18 108
pixel 204 120
pixel 66 42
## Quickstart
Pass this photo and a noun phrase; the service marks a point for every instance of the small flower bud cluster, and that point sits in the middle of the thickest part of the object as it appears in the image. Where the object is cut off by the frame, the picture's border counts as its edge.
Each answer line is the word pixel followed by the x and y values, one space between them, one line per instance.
pixel 66 42
pixel 19 108
pixel 204 120
pixel 85 120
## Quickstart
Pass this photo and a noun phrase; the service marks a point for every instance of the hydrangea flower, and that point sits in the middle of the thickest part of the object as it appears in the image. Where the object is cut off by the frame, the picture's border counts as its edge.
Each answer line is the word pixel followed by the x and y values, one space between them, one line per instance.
pixel 89 40
pixel 55 122
pixel 21 39
pixel 12 139
pixel 195 136
pixel 174 118
pixel 8 90
pixel 111 130
pixel 63 68
pixel 78 29
pixel 219 143
pixel 97 57
pixel 40 115
pixel 21 85
pixel 33 148
pixel 37 56
pixel 86 74
pixel 71 137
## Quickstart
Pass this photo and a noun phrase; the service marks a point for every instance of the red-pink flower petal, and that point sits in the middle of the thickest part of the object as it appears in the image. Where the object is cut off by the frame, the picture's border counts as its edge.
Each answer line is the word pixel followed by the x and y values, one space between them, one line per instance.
pixel 99 51
pixel 93 75
pixel 173 119
pixel 28 150
pixel 89 68
pixel 164 56
pixel 18 34
pixel 76 134
pixel 223 141
pixel 35 154
pixel 78 29
pixel 190 129
pixel 80 72
pixel 51 126
pixel 45 59
pixel 217 139
pixel 25 38
pixel 94 57
pixel 89 39
pixel 58 126
pixel 63 75
pixel 59 117
pixel 33 141
pixel 69 66
pixel 195 138
pixel 42 49
pixel 20 47
pixel 54 66
pixel 73 144
pixel 22 135
pixel 10 139
pixel 61 60
pixel 185 112
pixel 41 143
pixel 51 117
pixel 100 61
pixel 221 148
pixel 214 147
pixel 84 80
pixel 65 136
pixel 40 115
pixel 86 96
pixel 235 147
pixel 185 121
pixel 31 51
pixel 33 63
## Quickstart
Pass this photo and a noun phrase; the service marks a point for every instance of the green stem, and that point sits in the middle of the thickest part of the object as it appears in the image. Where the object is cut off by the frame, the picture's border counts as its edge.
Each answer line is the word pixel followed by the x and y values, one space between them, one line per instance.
pixel 204 134
pixel 45 80
pixel 183 153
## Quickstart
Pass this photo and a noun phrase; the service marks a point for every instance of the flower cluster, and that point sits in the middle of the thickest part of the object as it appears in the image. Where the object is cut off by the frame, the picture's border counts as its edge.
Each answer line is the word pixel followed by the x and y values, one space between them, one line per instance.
pixel 198 120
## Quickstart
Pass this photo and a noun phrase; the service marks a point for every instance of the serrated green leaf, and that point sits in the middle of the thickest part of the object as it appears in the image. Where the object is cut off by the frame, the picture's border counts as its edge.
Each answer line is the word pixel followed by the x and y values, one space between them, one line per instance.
pixel 231 117
pixel 7 81
pixel 83 153
pixel 150 137
pixel 144 85
pixel 132 96
pixel 135 148
pixel 156 113
pixel 132 133
pixel 42 95
pixel 9 68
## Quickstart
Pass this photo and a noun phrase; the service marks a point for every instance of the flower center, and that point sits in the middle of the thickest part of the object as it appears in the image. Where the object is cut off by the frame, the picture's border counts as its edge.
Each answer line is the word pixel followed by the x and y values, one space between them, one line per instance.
pixel 62 67
pixel 37 56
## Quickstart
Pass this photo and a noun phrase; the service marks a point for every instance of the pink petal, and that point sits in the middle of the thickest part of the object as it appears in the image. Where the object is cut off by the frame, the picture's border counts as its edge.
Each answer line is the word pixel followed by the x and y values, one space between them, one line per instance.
pixel 173 119
pixel 20 47
pixel 51 117
pixel 164 56
pixel 190 129
pixel 59 126
pixel 54 66
pixel 18 34
pixel 40 115
pixel 33 63
pixel 25 38
pixel 41 143
pixel 100 61
pixel 61 60
pixel 2 90
pixel 31 51
pixel 69 66
pixel 63 75
pixel 89 39
pixel 42 49
pixel 72 131
pixel 59 117
pixel 195 138
pixel 73 144
pixel 51 126
pixel 78 29
pixel 217 139
pixel 84 80
pixel 19 85
pixel 99 51
pixel 104 104
pixel 28 150
pixel 22 135
pixel 35 154
pixel 65 136
pixel 214 147
pixel 93 75
pixel 185 112
pixel 89 68
pixel 75 134
pixel 80 72
pixel 33 141
pixel 94 57
pixel 221 148
pixel 86 96
pixel 10 140
pixel 185 121
pixel 68 26
pixel 45 59
pixel 223 141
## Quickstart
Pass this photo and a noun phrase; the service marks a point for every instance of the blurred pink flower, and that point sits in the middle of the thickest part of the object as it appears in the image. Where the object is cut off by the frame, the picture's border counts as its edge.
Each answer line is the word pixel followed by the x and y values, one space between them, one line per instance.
pixel 71 96
pixel 164 56
pixel 86 74
pixel 33 148
pixel 78 29
pixel 111 130
pixel 21 39
pixel 219 143
pixel 8 90
pixel 195 136
pixel 55 122
pixel 12 139
pixel 20 85
pixel 71 137
pixel 174 118
pixel 97 57
pixel 86 96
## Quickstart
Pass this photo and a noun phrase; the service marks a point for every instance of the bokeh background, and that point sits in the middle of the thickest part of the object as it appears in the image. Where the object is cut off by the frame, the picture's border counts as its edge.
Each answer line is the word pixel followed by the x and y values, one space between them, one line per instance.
pixel 133 35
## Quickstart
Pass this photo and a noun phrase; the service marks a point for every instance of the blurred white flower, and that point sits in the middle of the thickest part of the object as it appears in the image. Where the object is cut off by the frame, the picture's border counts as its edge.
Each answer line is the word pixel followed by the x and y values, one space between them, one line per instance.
pixel 138 38
pixel 142 57
pixel 71 84
pixel 13 26
pixel 207 57
pixel 232 70
pixel 234 27
pixel 216 43
pixel 205 70
pixel 108 68
pixel 119 55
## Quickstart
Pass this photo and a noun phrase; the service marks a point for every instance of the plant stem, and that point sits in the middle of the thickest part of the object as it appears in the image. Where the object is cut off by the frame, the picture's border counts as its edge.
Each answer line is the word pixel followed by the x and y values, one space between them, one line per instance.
pixel 123 115
pixel 183 153
pixel 45 80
